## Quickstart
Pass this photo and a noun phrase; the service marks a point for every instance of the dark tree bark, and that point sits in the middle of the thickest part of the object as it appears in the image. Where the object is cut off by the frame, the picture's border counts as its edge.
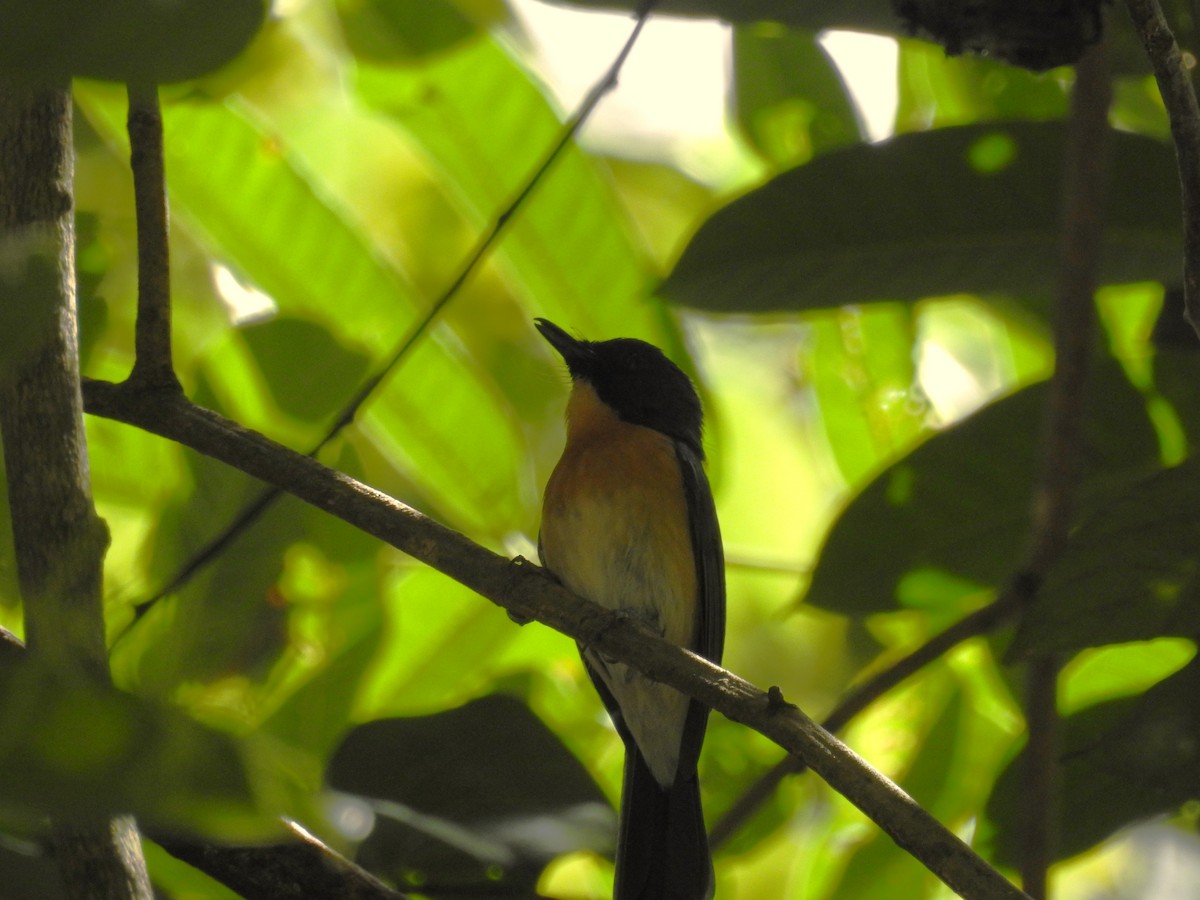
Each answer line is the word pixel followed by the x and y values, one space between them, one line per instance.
pixel 59 541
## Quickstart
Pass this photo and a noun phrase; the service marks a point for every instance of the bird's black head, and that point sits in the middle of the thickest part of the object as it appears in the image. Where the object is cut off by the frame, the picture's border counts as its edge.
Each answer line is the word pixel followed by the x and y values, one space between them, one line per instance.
pixel 635 379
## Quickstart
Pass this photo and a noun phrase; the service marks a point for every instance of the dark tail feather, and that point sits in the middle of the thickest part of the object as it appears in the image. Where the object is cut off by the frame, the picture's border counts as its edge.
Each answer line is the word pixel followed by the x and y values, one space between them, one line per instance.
pixel 662 850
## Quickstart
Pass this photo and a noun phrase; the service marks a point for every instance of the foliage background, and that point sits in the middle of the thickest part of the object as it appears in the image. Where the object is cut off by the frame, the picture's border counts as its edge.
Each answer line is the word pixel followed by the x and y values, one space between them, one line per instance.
pixel 344 166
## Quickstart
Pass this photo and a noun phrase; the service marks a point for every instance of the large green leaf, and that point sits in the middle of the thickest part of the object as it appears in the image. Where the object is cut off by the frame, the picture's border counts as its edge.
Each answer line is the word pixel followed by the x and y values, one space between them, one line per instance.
pixel 458 796
pixel 956 511
pixel 124 40
pixel 283 228
pixel 1130 571
pixel 957 210
pixel 485 126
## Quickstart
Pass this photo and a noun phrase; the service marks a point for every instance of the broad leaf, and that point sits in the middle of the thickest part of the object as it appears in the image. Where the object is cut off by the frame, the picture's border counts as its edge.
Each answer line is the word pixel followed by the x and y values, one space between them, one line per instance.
pixel 955 512
pixel 124 40
pixel 1130 571
pixel 957 210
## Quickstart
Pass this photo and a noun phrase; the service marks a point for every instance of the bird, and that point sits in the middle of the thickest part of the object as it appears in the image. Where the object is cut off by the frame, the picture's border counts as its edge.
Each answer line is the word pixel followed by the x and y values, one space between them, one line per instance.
pixel 629 522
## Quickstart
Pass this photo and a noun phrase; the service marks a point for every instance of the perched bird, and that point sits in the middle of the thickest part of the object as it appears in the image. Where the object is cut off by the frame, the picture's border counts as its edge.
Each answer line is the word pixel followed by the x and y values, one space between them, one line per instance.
pixel 628 522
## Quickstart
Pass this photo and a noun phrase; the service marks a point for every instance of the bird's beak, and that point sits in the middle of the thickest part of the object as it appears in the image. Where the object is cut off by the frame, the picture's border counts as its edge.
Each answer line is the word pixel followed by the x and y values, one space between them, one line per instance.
pixel 568 347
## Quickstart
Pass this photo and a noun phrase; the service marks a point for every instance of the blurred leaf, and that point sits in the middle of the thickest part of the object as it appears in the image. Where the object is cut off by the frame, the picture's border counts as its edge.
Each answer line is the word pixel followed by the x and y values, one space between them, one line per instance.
pixel 958 210
pixel 485 126
pixel 124 40
pixel 860 364
pixel 1177 377
pixel 936 91
pixel 788 95
pixel 330 370
pixel 961 502
pixel 853 15
pixel 1119 670
pixel 1129 571
pixel 402 30
pixel 74 747
pixel 1122 761
pixel 282 231
pixel 465 794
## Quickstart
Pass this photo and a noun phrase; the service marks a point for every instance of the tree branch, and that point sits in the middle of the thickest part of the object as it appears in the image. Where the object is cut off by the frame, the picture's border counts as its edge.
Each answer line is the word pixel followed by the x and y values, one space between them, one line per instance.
pixel 529 593
pixel 298 870
pixel 1179 97
pixel 58 539
pixel 152 365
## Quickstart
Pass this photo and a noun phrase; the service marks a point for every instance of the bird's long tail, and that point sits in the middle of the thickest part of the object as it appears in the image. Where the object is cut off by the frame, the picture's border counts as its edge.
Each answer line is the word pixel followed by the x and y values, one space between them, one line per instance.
pixel 662 848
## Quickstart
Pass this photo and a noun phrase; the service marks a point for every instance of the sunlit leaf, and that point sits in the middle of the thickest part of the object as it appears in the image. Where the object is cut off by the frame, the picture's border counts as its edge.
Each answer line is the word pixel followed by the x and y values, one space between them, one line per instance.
pixel 486 127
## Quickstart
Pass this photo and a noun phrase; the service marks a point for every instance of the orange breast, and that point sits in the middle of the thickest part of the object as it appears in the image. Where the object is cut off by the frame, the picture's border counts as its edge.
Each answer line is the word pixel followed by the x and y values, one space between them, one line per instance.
pixel 615 530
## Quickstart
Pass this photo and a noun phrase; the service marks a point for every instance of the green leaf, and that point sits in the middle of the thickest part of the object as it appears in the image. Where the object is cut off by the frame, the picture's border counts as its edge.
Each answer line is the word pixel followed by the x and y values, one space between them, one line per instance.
pixel 788 96
pixel 960 504
pixel 1121 761
pixel 857 15
pixel 401 30
pixel 485 126
pixel 124 40
pixel 936 91
pixel 328 370
pixel 958 210
pixel 1129 572
pixel 458 794
pixel 281 229
pixel 75 747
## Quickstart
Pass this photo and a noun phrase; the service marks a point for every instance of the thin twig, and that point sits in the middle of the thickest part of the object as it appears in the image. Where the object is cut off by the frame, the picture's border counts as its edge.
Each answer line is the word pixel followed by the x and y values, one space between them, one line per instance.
pixel 251 512
pixel 152 364
pixel 528 593
pixel 1179 97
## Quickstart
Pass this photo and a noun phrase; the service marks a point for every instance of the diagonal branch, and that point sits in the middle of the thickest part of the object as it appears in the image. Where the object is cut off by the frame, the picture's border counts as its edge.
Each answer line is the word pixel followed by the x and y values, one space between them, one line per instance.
pixel 526 591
